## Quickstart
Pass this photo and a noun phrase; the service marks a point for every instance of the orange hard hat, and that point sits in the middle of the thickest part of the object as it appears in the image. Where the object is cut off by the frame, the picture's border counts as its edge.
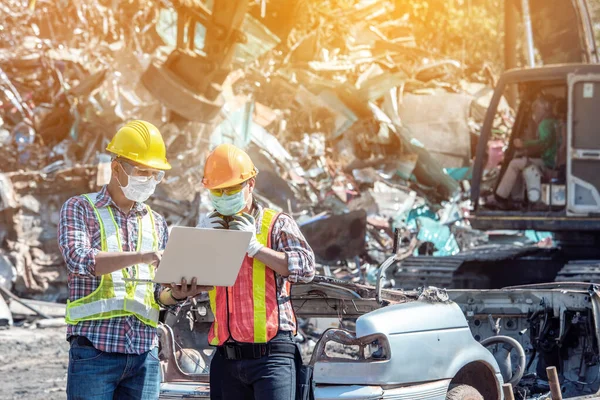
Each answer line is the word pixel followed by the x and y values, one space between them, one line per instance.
pixel 227 166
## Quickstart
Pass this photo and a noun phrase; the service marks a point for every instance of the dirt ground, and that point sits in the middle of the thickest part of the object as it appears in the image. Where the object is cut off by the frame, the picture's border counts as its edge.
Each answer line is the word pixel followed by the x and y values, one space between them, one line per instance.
pixel 33 364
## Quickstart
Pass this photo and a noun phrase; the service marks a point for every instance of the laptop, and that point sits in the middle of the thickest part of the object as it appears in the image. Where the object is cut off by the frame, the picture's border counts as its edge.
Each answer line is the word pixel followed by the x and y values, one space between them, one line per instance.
pixel 213 256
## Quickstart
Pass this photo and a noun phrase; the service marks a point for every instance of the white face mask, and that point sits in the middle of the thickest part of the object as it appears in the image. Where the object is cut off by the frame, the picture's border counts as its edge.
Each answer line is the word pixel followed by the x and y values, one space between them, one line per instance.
pixel 139 188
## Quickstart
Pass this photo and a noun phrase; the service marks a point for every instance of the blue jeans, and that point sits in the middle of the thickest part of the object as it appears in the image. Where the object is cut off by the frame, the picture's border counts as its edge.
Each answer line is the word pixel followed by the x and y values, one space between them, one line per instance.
pixel 271 377
pixel 94 374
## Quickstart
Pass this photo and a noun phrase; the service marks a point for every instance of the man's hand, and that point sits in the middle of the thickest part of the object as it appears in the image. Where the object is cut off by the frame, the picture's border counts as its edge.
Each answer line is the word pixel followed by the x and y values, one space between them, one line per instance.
pixel 108 262
pixel 182 291
pixel 212 221
pixel 152 257
pixel 518 143
pixel 246 223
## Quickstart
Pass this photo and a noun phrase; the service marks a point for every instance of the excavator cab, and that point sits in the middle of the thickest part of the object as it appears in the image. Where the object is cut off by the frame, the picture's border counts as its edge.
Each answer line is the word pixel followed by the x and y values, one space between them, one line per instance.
pixel 549 177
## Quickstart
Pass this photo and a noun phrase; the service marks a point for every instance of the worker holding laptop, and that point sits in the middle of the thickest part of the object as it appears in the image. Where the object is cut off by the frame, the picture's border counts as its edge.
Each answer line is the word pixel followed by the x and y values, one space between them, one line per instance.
pixel 254 320
pixel 112 242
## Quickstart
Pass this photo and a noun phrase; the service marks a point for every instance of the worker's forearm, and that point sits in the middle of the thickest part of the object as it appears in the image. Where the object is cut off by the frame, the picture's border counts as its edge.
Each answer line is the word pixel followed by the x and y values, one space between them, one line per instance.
pixel 109 262
pixel 275 260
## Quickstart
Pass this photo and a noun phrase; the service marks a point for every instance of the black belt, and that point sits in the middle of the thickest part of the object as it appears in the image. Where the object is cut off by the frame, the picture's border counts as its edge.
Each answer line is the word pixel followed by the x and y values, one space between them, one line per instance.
pixel 80 340
pixel 253 351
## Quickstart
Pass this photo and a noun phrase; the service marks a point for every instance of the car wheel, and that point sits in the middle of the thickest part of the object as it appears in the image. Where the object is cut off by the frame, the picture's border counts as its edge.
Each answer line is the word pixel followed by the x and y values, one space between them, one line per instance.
pixel 463 392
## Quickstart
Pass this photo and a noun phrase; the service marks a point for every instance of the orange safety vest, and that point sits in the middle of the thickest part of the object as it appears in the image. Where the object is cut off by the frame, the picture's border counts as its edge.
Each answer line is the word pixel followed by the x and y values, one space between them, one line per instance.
pixel 248 311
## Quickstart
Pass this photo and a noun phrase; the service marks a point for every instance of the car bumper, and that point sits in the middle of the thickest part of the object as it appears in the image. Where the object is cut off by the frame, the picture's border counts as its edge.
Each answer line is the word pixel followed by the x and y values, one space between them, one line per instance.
pixel 427 391
pixel 187 390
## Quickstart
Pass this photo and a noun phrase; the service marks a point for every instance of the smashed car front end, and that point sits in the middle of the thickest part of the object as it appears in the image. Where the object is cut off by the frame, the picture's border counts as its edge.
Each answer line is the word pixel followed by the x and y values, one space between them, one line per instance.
pixel 416 344
pixel 407 345
pixel 405 351
pixel 557 324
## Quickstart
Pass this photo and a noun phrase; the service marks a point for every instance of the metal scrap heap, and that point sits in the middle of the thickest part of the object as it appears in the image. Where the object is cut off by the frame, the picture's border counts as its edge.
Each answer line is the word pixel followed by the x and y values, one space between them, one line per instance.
pixel 355 129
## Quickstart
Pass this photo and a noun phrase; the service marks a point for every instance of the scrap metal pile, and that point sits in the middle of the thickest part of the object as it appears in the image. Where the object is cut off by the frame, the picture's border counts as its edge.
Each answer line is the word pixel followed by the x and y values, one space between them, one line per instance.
pixel 355 130
pixel 69 75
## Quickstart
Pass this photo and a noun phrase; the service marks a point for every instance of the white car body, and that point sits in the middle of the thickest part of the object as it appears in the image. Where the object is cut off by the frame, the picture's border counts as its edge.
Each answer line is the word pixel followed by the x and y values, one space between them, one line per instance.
pixel 430 344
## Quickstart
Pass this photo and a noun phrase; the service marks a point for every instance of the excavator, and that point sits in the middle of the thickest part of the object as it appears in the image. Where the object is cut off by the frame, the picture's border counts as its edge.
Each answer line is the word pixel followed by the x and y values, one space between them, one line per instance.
pixel 189 82
pixel 563 199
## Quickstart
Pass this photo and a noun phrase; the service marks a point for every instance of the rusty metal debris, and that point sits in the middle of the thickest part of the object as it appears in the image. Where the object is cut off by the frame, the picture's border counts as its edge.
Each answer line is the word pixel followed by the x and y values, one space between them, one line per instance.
pixel 331 112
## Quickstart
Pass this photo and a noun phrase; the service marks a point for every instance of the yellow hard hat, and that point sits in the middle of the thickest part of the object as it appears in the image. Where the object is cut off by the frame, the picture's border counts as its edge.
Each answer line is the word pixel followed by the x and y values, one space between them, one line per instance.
pixel 227 166
pixel 140 141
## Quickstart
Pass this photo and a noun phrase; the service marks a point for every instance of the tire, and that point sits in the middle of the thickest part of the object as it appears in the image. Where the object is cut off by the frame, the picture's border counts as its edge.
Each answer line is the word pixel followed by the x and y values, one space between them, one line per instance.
pixel 463 392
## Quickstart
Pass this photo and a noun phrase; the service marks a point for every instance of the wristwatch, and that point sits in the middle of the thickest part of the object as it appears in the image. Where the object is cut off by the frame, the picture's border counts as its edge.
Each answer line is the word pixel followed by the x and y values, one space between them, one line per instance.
pixel 175 298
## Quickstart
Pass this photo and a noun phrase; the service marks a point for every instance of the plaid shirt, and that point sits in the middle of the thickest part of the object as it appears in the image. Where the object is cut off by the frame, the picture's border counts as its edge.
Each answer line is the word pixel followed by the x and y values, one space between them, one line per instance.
pixel 79 241
pixel 287 238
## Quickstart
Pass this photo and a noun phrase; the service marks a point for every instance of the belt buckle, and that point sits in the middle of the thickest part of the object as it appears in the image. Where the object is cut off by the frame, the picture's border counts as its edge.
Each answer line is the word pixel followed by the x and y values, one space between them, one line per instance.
pixel 259 350
pixel 232 352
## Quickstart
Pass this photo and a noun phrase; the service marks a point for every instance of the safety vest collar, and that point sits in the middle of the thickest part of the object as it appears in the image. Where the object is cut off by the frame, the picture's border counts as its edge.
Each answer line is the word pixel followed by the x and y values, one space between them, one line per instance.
pixel 258 212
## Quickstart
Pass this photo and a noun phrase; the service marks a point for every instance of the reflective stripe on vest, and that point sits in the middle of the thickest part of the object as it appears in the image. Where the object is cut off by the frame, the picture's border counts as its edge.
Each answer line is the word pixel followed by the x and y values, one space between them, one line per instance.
pixel 256 283
pixel 115 297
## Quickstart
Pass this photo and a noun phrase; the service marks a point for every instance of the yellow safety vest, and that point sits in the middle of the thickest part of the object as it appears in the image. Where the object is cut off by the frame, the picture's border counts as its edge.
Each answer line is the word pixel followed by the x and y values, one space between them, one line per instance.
pixel 115 297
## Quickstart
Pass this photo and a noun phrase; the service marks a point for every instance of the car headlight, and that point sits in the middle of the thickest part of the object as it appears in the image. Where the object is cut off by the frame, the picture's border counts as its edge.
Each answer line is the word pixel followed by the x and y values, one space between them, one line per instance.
pixel 342 345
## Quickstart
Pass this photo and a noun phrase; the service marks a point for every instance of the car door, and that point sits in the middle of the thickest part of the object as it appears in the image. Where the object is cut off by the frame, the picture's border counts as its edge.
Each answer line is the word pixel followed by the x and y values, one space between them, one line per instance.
pixel 583 149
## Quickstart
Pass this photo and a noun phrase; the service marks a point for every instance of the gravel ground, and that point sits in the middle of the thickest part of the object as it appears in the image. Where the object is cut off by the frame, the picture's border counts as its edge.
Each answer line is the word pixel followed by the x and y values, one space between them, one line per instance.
pixel 33 363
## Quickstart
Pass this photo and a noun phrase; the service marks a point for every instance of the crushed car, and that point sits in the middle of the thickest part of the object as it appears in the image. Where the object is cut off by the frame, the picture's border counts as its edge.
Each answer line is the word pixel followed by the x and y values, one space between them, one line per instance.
pixel 556 324
pixel 428 343
pixel 380 352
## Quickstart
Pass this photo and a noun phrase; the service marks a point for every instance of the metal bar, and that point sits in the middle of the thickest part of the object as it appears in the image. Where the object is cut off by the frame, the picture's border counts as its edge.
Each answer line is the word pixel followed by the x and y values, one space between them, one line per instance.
pixel 182 20
pixel 388 263
pixel 510 46
pixel 138 280
pixel 220 44
pixel 587 30
pixel 507 389
pixel 554 383
pixel 191 34
pixel 315 308
pixel 396 239
pixel 18 300
pixel 381 275
pixel 480 155
pixel 528 32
